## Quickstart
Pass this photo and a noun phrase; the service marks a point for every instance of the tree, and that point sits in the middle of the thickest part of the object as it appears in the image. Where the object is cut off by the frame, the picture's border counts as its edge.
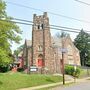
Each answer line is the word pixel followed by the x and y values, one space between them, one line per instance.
pixel 63 34
pixel 82 42
pixel 9 32
pixel 18 50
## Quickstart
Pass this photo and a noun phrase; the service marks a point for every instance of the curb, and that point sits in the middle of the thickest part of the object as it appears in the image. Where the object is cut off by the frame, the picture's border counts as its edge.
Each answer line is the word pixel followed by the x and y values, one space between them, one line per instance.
pixel 45 86
pixel 54 84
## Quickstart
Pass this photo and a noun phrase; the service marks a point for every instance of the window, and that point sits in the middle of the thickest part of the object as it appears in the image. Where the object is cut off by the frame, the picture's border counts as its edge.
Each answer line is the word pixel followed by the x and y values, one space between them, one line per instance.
pixel 40 48
pixel 38 26
pixel 42 26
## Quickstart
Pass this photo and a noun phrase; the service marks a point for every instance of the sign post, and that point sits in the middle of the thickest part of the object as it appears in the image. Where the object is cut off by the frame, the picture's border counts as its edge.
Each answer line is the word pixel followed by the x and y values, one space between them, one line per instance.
pixel 63 50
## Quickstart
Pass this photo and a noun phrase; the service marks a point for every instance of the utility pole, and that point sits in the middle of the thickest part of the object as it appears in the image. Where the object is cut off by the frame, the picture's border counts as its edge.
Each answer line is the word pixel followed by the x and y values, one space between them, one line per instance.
pixel 63 72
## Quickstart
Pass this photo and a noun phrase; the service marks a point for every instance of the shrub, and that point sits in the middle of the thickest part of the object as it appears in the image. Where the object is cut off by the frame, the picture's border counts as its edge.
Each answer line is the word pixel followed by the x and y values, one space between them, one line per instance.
pixel 20 69
pixel 4 68
pixel 70 71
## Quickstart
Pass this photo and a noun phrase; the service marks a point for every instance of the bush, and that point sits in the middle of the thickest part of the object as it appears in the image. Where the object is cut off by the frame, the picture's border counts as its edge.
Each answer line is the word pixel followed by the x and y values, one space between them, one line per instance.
pixel 70 71
pixel 4 69
pixel 20 69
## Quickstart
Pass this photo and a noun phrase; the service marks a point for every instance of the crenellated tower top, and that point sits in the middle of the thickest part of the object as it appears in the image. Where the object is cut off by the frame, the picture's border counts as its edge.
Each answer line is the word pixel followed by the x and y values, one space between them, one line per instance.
pixel 40 22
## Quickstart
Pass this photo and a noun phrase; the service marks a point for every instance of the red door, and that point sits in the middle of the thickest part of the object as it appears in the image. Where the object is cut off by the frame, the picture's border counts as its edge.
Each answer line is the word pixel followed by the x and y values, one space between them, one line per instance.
pixel 40 63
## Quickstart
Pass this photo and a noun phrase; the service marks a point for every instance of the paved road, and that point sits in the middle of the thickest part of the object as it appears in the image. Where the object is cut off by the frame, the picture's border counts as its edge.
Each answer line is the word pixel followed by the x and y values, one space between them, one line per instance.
pixel 79 86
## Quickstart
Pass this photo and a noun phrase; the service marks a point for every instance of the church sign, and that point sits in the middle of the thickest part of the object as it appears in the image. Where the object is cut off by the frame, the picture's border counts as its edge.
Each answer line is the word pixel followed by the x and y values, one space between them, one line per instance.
pixel 33 68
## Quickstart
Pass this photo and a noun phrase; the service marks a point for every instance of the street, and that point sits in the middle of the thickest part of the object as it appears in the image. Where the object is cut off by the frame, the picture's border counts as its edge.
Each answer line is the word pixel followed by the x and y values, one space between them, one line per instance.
pixel 78 86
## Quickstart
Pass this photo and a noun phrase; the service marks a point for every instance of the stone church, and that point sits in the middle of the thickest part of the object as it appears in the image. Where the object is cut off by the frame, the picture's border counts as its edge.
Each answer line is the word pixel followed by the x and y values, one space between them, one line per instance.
pixel 44 51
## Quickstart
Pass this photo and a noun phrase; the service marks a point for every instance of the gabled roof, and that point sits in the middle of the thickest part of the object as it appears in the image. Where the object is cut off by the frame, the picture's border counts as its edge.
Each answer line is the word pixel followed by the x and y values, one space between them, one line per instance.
pixel 57 42
pixel 73 44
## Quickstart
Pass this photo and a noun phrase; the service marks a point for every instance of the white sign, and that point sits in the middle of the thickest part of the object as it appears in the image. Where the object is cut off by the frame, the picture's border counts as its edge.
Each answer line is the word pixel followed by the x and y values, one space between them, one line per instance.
pixel 33 68
pixel 63 50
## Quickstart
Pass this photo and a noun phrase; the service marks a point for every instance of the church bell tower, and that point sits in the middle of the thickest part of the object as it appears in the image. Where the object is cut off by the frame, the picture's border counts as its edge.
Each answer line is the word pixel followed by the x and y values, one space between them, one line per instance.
pixel 41 40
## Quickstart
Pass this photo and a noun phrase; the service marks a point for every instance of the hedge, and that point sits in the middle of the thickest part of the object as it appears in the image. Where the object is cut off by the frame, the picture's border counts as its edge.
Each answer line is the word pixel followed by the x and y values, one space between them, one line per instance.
pixel 71 71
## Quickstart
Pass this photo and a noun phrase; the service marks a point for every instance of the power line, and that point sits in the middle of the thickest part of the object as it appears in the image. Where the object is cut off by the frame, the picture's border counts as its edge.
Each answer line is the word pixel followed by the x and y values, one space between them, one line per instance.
pixel 66 27
pixel 22 20
pixel 32 22
pixel 64 30
pixel 83 2
pixel 45 27
pixel 50 25
pixel 20 5
pixel 16 22
pixel 69 28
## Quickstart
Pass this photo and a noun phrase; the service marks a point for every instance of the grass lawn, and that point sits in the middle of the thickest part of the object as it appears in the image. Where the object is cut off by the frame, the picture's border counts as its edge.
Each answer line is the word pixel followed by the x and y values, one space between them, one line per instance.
pixel 13 81
pixel 84 73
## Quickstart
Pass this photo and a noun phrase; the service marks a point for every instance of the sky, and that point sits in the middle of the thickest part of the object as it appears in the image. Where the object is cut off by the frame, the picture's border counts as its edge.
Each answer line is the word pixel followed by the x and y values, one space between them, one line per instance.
pixel 70 8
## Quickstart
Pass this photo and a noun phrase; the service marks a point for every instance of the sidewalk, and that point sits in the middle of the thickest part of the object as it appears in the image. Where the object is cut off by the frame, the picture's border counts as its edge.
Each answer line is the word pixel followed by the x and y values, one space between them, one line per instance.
pixel 54 84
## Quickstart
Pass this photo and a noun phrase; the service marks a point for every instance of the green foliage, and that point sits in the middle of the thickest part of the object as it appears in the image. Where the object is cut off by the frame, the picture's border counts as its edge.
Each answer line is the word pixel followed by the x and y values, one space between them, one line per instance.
pixel 4 69
pixel 85 72
pixel 82 42
pixel 71 71
pixel 9 32
pixel 14 81
pixel 77 72
pixel 63 34
pixel 19 49
pixel 4 57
